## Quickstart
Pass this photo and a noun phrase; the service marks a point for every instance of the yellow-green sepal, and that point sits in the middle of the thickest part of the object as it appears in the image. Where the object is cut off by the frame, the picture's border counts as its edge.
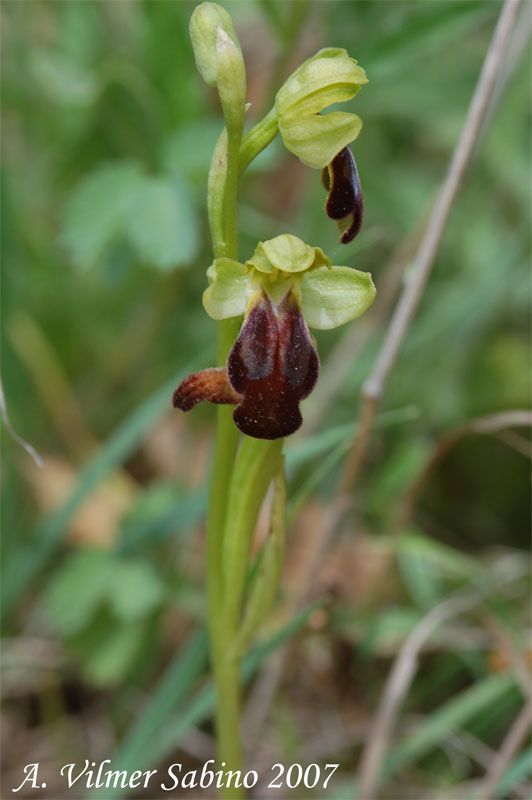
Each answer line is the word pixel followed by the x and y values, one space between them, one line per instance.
pixel 330 297
pixel 227 295
pixel 318 84
pixel 317 139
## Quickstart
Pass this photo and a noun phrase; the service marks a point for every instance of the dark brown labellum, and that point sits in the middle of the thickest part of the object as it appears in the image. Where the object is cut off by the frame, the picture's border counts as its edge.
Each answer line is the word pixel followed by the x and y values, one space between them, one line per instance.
pixel 344 199
pixel 272 366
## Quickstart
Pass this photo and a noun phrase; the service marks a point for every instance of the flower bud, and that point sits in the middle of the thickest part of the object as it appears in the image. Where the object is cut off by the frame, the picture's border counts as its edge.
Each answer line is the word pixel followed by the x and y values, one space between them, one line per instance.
pixel 231 76
pixel 205 22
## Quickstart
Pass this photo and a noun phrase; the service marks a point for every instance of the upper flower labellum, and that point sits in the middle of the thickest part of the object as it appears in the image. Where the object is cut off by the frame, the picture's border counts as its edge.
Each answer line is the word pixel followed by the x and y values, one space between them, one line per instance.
pixel 344 199
pixel 329 77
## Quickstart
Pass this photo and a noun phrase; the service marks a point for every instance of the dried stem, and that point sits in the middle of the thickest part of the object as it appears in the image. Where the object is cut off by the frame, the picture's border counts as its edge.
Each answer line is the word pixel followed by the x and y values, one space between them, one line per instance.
pixel 260 700
pixel 510 746
pixel 426 254
pixel 399 681
pixel 494 423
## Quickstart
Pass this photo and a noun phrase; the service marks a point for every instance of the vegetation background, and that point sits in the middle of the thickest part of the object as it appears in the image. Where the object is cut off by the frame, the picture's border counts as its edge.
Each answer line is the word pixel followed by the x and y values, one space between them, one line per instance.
pixel 107 136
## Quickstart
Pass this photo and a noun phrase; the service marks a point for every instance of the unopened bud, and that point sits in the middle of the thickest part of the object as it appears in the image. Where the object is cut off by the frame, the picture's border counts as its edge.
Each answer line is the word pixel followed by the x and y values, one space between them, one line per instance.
pixel 231 75
pixel 205 22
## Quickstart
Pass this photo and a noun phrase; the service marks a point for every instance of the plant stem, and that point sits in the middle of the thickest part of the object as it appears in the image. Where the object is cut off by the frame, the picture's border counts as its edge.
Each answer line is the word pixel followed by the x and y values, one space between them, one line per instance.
pixel 222 188
pixel 226 436
pixel 235 494
pixel 257 463
pixel 257 139
pixel 255 467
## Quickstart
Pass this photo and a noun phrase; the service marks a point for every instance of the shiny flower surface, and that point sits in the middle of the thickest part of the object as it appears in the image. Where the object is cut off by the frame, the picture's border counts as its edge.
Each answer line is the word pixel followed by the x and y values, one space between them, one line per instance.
pixel 344 199
pixel 273 364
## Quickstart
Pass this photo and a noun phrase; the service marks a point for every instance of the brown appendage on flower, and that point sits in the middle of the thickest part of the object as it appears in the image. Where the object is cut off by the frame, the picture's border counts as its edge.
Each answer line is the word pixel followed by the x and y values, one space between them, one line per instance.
pixel 344 199
pixel 272 366
pixel 209 384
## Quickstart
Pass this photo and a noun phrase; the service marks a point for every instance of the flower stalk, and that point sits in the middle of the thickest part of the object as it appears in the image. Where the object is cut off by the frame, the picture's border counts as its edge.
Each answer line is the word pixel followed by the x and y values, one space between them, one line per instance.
pixel 266 359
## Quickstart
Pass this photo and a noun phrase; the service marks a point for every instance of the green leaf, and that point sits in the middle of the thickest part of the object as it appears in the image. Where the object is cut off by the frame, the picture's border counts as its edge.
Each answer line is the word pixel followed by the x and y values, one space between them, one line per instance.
pixel 189 149
pixel 61 79
pixel 112 657
pixel 95 215
pixel 121 442
pixel 519 770
pixel 162 224
pixel 227 295
pixel 145 749
pixel 436 554
pixel 162 510
pixel 333 296
pixel 448 718
pixel 136 590
pixel 77 589
pixel 174 685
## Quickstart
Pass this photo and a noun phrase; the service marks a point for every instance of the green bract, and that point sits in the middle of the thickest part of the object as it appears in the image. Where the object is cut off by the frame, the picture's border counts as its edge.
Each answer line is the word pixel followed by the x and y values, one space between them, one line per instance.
pixel 328 77
pixel 329 295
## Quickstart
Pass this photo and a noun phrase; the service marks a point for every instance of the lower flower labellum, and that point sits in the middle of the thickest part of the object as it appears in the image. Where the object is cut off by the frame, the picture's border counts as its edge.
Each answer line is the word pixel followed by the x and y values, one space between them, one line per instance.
pixel 272 366
pixel 344 199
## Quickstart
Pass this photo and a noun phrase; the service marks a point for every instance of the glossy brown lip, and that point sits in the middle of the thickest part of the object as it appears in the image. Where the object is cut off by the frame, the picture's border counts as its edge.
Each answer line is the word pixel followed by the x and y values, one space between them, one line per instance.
pixel 272 366
pixel 344 201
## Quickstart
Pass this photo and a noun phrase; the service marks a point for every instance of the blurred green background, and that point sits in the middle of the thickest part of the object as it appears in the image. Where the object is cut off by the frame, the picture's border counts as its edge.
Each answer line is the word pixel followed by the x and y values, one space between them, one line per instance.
pixel 107 134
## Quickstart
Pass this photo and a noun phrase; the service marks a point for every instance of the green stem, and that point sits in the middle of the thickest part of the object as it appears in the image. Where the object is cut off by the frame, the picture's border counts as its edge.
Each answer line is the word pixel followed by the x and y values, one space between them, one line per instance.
pixel 257 139
pixel 226 436
pixel 235 495
pixel 228 723
pixel 257 463
pixel 222 188
pixel 264 588
pixel 231 185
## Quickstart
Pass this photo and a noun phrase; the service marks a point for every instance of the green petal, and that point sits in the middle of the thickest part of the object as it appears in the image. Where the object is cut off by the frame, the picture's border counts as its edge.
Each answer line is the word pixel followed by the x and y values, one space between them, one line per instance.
pixel 317 139
pixel 336 295
pixel 285 252
pixel 319 84
pixel 227 295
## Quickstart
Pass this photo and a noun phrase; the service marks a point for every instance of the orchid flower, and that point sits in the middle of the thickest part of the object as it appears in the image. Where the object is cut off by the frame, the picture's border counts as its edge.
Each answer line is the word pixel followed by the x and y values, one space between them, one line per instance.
pixel 285 287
